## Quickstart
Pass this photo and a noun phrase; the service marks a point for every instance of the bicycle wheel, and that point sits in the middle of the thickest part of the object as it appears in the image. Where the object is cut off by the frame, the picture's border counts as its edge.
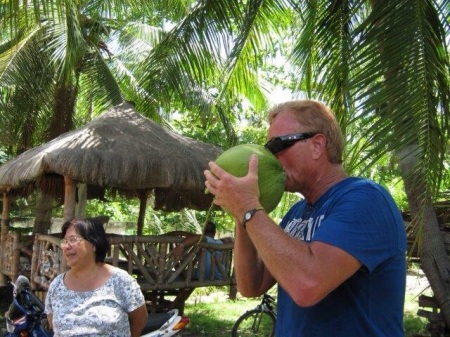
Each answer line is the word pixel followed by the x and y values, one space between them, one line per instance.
pixel 254 323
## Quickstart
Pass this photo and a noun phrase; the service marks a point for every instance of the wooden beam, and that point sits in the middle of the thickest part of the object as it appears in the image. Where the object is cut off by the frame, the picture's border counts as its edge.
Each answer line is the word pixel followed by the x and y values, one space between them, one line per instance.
pixel 4 232
pixel 70 190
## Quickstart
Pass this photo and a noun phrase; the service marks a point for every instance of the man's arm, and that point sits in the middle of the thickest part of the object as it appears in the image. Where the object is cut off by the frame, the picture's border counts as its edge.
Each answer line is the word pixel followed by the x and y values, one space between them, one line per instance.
pixel 252 278
pixel 307 271
pixel 190 240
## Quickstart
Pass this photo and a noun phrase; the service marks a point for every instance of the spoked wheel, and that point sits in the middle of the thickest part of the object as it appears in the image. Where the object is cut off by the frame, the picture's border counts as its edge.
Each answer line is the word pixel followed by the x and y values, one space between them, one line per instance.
pixel 254 323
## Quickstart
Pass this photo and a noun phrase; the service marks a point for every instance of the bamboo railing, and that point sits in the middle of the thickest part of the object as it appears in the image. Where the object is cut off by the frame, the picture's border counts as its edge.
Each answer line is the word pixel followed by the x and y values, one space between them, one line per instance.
pixel 151 260
pixel 16 255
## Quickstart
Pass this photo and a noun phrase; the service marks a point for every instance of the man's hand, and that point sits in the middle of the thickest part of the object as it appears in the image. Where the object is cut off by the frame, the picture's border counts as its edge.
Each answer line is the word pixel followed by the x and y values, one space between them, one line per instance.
pixel 236 195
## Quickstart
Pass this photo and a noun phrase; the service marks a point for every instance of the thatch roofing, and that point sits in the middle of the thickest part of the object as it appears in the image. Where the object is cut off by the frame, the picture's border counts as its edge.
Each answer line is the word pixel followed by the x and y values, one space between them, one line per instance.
pixel 121 150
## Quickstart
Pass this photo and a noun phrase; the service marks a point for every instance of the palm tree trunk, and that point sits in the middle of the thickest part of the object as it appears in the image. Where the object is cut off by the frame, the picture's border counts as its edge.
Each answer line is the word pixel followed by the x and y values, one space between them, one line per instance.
pixel 433 255
pixel 63 110
pixel 42 221
pixel 61 122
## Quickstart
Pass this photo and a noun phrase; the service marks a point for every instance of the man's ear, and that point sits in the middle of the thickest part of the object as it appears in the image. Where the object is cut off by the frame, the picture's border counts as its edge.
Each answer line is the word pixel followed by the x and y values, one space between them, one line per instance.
pixel 319 144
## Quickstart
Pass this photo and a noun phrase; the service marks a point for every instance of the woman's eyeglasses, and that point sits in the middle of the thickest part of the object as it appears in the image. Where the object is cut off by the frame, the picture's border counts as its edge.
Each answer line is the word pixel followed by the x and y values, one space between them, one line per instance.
pixel 281 143
pixel 71 240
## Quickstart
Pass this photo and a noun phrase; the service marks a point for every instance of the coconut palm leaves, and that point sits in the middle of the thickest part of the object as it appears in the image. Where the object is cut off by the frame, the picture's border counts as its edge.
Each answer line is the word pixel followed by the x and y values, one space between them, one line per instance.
pixel 209 62
pixel 57 48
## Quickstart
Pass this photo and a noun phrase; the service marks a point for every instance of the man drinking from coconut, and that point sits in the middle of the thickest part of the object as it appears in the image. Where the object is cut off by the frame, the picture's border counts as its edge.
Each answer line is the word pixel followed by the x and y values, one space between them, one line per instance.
pixel 338 256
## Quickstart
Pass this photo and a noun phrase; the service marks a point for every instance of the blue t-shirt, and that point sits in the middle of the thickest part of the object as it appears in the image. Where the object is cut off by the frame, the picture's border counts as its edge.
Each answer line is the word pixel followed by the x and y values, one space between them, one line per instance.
pixel 360 217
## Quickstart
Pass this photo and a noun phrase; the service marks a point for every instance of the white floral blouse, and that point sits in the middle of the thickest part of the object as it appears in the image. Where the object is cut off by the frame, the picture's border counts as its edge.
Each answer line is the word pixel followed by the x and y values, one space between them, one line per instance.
pixel 101 312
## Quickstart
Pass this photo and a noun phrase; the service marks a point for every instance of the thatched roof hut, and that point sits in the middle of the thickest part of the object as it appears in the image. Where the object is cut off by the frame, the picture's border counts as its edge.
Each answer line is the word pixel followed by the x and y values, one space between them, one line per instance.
pixel 120 150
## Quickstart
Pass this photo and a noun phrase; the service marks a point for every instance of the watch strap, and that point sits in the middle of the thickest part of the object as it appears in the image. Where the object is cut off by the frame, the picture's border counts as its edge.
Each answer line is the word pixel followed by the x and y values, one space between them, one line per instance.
pixel 249 214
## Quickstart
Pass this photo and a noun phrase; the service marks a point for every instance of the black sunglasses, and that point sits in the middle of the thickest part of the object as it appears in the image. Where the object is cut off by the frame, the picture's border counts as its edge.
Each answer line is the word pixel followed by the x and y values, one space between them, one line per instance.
pixel 281 143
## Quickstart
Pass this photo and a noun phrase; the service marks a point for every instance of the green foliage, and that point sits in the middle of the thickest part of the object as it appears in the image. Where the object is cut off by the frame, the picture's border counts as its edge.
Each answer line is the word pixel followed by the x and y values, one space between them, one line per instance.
pixel 414 325
pixel 118 209
pixel 207 128
pixel 159 222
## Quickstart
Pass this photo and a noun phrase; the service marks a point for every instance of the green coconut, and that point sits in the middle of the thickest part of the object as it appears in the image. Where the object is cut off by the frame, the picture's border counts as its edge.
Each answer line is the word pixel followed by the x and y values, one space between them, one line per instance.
pixel 271 176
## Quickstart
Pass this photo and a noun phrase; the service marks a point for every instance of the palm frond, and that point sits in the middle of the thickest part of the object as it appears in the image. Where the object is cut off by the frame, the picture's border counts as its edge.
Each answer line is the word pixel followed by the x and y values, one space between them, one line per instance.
pixel 323 53
pixel 402 44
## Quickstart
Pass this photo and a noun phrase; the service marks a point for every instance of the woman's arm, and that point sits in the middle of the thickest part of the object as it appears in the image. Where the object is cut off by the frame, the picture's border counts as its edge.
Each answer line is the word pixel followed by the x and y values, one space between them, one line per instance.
pixel 138 318
pixel 50 320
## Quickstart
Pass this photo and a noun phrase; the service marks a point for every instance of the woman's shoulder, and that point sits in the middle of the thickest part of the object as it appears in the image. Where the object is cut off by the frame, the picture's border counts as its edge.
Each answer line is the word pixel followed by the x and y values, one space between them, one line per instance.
pixel 57 280
pixel 123 282
pixel 57 284
pixel 119 274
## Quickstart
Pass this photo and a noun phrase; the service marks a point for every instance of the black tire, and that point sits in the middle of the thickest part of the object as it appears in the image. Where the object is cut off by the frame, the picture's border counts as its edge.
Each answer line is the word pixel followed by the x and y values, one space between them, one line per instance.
pixel 254 323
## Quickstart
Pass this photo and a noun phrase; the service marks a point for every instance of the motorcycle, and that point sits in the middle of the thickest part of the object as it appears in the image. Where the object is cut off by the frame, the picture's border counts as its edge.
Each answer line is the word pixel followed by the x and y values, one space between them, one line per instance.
pixel 164 324
pixel 26 318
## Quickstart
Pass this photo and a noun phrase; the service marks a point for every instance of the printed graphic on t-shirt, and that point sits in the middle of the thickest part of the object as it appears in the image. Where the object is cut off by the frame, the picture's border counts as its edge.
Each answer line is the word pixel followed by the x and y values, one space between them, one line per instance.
pixel 304 227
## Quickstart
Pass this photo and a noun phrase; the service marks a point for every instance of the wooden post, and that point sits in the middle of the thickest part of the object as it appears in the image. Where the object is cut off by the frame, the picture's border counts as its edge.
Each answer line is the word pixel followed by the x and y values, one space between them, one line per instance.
pixel 70 189
pixel 80 208
pixel 42 221
pixel 143 197
pixel 4 233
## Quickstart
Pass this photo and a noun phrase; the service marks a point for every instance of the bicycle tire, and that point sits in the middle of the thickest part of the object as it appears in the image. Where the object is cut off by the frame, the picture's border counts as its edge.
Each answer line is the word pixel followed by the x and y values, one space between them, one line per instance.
pixel 254 323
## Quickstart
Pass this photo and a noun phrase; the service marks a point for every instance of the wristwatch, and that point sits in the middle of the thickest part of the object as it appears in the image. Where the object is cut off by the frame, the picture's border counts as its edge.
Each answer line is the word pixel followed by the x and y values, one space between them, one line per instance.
pixel 249 214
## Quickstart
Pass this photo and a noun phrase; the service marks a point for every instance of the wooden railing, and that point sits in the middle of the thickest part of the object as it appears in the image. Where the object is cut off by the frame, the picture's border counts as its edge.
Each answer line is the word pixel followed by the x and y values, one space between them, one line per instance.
pixel 149 258
pixel 47 261
pixel 152 260
pixel 16 255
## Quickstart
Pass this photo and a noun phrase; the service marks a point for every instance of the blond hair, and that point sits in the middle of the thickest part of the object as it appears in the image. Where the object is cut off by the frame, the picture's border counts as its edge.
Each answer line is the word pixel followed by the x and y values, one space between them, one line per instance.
pixel 318 118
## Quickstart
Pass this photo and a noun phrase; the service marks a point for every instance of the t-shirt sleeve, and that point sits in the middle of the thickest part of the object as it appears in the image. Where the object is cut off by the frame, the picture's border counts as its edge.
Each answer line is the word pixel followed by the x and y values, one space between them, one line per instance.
pixel 365 223
pixel 129 291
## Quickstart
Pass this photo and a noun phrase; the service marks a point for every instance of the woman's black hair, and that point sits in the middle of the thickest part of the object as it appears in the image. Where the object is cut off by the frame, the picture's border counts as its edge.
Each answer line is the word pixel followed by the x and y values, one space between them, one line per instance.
pixel 90 230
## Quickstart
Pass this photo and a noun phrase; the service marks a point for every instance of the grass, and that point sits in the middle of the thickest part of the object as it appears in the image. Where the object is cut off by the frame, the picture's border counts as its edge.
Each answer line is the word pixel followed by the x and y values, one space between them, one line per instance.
pixel 414 325
pixel 211 313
